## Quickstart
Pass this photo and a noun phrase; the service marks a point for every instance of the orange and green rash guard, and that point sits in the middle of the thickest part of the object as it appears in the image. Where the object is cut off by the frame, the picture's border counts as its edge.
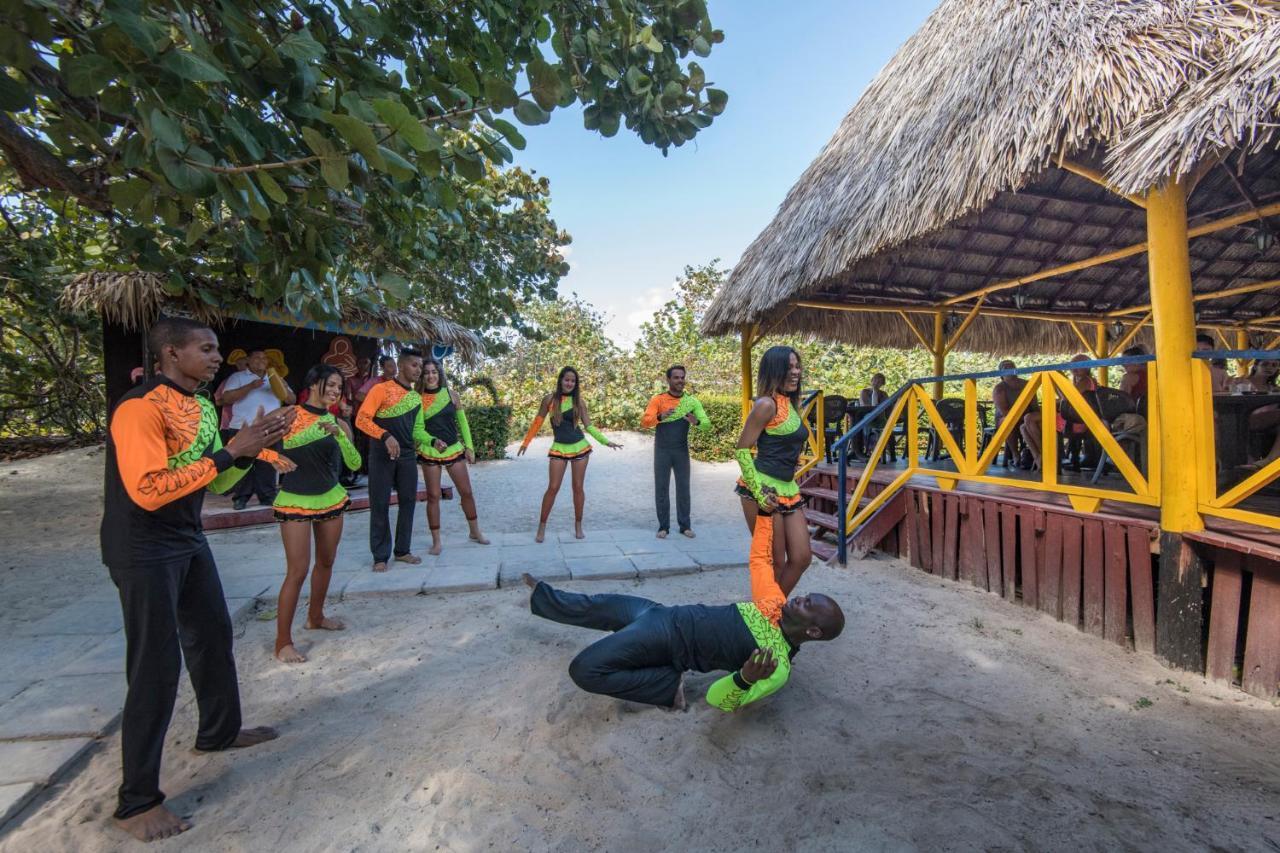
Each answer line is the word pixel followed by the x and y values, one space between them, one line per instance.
pixel 762 616
pixel 392 409
pixel 163 451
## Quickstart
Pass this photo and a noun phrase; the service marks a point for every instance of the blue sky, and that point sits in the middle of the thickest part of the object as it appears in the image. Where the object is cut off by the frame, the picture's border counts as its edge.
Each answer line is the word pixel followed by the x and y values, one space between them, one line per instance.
pixel 792 71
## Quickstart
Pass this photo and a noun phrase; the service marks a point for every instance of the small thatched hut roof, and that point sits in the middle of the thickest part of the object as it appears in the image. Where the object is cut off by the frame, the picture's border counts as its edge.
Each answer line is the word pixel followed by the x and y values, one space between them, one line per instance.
pixel 947 176
pixel 134 300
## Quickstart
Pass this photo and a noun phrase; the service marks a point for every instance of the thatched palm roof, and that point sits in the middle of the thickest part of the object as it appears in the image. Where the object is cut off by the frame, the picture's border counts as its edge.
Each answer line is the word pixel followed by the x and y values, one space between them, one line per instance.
pixel 944 176
pixel 135 299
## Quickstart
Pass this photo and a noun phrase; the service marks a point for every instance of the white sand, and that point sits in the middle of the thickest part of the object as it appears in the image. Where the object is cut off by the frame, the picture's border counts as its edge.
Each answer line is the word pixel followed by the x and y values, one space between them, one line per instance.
pixel 944 719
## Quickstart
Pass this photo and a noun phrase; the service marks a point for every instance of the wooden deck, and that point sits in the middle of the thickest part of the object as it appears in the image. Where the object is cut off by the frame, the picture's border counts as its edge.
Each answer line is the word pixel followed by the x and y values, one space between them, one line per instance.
pixel 1096 571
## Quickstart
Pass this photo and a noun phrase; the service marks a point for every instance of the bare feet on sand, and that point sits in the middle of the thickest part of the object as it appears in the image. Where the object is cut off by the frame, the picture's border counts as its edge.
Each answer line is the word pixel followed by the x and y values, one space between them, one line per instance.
pixel 288 654
pixel 380 567
pixel 155 823
pixel 529 580
pixel 325 624
pixel 247 738
pixel 411 559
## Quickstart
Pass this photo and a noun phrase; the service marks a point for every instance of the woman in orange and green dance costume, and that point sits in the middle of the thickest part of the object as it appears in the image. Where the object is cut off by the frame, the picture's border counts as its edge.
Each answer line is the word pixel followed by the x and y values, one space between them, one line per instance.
pixel 768 485
pixel 567 411
pixel 446 446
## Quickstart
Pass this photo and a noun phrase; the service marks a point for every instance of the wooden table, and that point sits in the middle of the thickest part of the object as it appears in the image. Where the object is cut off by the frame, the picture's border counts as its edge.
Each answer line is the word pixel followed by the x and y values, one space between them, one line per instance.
pixel 1231 412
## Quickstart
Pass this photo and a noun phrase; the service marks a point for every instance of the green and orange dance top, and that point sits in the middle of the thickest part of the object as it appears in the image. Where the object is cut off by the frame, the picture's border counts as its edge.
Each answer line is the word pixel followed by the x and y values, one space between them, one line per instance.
pixel 440 419
pixel 392 409
pixel 777 457
pixel 312 491
pixel 570 443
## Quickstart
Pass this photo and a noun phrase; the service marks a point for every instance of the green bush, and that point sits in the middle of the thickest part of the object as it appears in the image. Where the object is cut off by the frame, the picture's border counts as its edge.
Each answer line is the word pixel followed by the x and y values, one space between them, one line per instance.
pixel 716 444
pixel 490 430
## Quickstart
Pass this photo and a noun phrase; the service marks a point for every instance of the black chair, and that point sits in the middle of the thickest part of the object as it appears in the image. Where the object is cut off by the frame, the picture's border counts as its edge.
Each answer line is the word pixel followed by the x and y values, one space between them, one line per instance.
pixel 952 411
pixel 1112 403
pixel 833 420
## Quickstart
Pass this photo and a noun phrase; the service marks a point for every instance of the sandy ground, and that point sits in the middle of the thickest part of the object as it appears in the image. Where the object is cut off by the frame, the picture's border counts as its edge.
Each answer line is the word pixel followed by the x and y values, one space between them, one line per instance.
pixel 943 719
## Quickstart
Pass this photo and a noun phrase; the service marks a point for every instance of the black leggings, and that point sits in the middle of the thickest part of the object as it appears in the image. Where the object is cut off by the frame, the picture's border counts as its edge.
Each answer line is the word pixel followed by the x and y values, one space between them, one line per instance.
pixel 634 662
pixel 173 609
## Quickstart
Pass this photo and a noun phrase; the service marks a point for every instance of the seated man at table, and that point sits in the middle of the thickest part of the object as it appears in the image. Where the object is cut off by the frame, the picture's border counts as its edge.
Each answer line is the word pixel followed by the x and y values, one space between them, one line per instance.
pixel 1218 378
pixel 875 395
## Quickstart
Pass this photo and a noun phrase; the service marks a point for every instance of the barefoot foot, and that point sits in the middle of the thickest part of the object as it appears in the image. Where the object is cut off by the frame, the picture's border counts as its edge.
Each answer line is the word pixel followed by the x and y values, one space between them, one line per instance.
pixel 288 654
pixel 325 624
pixel 411 559
pixel 679 703
pixel 541 534
pixel 689 534
pixel 436 548
pixel 246 738
pixel 662 534
pixel 529 580
pixel 577 531
pixel 380 567
pixel 479 538
pixel 155 823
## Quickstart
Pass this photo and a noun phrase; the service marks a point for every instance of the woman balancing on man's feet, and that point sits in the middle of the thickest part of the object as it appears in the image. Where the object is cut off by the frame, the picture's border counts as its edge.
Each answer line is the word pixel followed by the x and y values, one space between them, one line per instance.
pixel 567 410
pixel 447 447
pixel 310 504
pixel 768 483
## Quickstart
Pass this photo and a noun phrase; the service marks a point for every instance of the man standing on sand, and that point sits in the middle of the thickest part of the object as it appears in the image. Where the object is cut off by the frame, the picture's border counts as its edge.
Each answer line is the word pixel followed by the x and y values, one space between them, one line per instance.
pixel 391 415
pixel 246 392
pixel 670 414
pixel 163 451
pixel 651 646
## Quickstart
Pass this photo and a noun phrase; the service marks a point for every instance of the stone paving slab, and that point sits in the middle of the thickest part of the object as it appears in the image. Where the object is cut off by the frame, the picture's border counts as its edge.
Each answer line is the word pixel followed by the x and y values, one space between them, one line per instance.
pixel 39 761
pixel 465 555
pixel 659 565
pixel 99 616
pixel 600 568
pixel 9 689
pixel 650 545
pixel 251 587
pixel 391 582
pixel 14 797
pixel 586 548
pixel 553 572
pixel 105 657
pixel 722 558
pixel 53 653
pixel 64 706
pixel 461 579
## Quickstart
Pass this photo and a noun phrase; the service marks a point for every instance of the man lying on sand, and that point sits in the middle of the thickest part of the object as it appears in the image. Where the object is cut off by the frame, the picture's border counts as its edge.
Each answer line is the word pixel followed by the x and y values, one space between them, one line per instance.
pixel 652 645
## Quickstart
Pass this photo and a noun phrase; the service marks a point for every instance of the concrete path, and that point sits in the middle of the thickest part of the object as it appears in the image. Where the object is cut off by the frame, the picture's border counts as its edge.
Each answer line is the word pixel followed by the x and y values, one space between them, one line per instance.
pixel 62 676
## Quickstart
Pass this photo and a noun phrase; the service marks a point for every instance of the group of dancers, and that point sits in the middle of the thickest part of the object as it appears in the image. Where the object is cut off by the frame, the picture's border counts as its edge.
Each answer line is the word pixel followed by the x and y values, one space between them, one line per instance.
pixel 164 449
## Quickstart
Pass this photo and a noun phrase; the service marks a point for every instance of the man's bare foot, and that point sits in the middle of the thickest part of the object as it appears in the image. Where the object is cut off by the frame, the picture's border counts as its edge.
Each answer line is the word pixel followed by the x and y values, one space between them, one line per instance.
pixel 380 566
pixel 411 559
pixel 246 738
pixel 529 580
pixel 155 823
pixel 288 654
pixel 662 534
pixel 541 534
pixel 689 534
pixel 436 547
pixel 679 703
pixel 326 624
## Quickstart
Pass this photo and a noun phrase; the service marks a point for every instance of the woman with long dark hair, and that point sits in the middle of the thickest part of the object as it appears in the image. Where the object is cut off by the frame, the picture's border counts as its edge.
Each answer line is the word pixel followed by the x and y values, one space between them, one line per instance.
pixel 448 447
pixel 768 485
pixel 310 505
pixel 567 410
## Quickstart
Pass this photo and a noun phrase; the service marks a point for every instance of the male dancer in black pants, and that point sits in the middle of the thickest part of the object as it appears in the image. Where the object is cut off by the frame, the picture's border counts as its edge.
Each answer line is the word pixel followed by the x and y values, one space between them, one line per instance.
pixel 163 451
pixel 670 415
pixel 389 415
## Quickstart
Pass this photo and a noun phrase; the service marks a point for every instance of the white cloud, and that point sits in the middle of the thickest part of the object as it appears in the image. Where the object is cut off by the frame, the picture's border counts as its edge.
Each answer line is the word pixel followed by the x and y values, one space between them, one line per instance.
pixel 625 318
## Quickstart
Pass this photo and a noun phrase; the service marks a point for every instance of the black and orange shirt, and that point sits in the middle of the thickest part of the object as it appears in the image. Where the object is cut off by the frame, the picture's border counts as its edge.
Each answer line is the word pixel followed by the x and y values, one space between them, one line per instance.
pixel 672 432
pixel 390 407
pixel 319 455
pixel 163 451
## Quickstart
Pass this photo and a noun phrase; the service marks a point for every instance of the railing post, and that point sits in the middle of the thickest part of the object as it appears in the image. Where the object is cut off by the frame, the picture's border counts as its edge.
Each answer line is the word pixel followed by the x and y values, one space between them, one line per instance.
pixel 842 504
pixel 1101 350
pixel 1178 629
pixel 748 333
pixel 939 353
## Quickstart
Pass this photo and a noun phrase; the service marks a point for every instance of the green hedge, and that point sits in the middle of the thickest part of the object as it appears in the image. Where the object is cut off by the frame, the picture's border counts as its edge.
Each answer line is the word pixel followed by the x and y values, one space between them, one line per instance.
pixel 490 430
pixel 716 444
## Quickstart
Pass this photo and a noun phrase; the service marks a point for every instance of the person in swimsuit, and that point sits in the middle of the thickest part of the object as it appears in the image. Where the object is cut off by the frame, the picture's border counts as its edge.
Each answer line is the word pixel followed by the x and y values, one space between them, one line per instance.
pixel 777 432
pixel 448 447
pixel 566 409
pixel 310 505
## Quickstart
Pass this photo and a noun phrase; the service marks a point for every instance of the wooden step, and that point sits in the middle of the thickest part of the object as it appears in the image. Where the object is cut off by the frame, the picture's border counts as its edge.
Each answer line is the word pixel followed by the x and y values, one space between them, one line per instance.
pixel 823 550
pixel 872 532
pixel 826 494
pixel 824 520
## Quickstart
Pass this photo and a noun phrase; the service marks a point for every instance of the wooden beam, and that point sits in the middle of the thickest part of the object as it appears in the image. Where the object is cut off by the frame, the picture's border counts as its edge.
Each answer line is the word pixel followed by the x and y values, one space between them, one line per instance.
pixel 906 318
pixel 1080 334
pixel 1093 175
pixel 964 326
pixel 1108 257
pixel 1128 336
pixel 1205 297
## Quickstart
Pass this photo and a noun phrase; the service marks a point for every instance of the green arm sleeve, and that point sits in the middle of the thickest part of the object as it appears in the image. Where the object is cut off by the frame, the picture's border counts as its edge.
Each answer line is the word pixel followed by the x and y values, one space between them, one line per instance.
pixel 465 428
pixel 421 438
pixel 597 435
pixel 225 481
pixel 350 455
pixel 704 422
pixel 747 465
pixel 728 695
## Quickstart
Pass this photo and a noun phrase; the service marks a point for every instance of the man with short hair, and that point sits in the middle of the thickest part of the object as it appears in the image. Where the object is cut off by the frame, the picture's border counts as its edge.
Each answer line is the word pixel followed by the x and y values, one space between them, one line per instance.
pixel 670 414
pixel 1219 381
pixel 163 451
pixel 391 416
pixel 651 646
pixel 247 391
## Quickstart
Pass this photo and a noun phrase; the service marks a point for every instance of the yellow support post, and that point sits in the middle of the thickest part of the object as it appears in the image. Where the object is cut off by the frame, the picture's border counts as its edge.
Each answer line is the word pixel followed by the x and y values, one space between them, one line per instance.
pixel 1100 351
pixel 1242 342
pixel 1179 627
pixel 939 353
pixel 748 332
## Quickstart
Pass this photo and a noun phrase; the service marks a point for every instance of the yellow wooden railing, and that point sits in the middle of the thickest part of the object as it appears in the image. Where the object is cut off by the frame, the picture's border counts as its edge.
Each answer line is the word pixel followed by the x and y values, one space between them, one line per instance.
pixel 812 411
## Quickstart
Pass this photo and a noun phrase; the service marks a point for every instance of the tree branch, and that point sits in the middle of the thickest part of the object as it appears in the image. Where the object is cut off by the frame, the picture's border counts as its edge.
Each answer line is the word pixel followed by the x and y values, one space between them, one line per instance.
pixel 39 169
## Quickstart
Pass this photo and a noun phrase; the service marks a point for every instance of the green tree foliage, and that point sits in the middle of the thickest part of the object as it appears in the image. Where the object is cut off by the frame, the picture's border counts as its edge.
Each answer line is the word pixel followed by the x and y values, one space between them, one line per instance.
pixel 277 151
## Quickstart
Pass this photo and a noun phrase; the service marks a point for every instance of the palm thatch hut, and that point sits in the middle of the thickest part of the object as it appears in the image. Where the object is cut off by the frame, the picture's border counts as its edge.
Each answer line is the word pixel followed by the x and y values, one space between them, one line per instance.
pixel 130 302
pixel 974 171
